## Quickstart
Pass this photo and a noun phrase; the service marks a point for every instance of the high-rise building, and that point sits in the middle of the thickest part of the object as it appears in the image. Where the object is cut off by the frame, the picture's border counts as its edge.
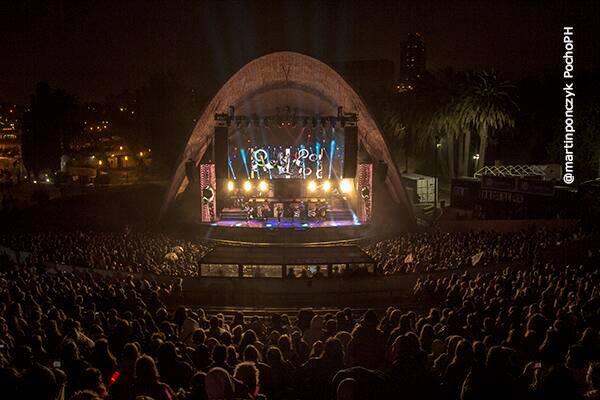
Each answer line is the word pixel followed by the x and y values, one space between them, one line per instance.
pixel 11 165
pixel 412 62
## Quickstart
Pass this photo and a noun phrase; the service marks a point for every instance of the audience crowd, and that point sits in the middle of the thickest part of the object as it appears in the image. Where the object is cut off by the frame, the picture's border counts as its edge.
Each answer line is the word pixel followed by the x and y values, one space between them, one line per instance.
pixel 517 333
pixel 430 251
pixel 163 255
pixel 126 252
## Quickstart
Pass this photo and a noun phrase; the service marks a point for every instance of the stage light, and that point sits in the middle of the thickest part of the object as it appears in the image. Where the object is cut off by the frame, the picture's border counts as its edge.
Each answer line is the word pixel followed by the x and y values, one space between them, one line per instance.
pixel 312 186
pixel 346 185
pixel 247 186
pixel 230 186
pixel 263 186
pixel 326 186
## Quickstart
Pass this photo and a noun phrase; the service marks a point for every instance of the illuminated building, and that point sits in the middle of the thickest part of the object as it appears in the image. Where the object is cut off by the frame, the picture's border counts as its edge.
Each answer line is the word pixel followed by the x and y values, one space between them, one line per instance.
pixel 412 63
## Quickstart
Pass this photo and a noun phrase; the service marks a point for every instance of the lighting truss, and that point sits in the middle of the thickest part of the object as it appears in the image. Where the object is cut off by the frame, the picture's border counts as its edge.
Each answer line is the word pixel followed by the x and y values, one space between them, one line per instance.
pixel 512 170
pixel 344 118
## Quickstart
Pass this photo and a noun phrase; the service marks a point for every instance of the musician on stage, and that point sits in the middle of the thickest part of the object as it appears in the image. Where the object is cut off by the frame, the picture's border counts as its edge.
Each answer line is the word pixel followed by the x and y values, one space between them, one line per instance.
pixel 266 209
pixel 302 211
pixel 249 210
pixel 322 211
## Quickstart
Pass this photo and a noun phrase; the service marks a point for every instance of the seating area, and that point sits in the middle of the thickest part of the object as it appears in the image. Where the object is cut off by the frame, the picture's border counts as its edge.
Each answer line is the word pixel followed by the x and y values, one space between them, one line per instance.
pixel 526 333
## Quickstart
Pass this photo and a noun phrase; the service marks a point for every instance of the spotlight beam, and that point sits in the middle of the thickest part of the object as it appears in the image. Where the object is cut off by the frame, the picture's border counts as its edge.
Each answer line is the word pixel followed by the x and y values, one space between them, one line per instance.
pixel 302 147
pixel 231 168
pixel 243 153
pixel 269 162
pixel 331 155
pixel 317 152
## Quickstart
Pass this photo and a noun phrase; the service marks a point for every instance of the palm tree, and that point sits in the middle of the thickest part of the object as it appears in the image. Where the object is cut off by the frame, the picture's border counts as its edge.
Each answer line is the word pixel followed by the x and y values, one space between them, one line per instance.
pixel 486 105
pixel 445 122
pixel 394 129
pixel 391 123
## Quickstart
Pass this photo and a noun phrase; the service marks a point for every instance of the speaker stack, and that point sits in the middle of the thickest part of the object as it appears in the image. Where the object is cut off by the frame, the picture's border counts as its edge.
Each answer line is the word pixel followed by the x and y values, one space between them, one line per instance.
pixel 350 151
pixel 221 152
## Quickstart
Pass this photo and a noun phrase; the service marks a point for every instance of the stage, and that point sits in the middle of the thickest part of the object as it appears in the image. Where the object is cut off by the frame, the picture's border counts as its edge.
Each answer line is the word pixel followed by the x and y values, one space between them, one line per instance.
pixel 270 179
pixel 257 232
pixel 286 223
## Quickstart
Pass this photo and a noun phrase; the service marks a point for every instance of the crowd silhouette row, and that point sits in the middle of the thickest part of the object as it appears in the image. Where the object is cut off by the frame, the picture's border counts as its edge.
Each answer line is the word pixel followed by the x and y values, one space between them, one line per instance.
pixel 137 252
pixel 515 333
pixel 129 252
pixel 431 251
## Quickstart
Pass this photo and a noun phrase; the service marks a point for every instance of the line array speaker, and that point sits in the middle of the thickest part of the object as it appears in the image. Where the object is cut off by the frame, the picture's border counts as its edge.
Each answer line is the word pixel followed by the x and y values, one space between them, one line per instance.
pixel 221 152
pixel 350 151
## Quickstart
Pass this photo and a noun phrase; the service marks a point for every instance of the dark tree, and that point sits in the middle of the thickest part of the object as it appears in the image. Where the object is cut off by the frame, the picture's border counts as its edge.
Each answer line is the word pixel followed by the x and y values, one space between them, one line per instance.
pixel 48 128
pixel 166 117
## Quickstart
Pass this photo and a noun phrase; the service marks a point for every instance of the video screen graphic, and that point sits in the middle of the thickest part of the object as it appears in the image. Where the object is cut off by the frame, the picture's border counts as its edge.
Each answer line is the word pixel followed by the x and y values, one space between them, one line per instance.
pixel 286 153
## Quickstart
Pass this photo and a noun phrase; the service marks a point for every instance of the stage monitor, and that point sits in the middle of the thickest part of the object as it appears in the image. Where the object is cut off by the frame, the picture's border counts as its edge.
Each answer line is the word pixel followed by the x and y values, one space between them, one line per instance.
pixel 286 152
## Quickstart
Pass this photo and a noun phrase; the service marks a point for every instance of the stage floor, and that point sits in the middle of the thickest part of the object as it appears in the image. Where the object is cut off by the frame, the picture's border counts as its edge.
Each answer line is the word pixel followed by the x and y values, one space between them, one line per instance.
pixel 285 223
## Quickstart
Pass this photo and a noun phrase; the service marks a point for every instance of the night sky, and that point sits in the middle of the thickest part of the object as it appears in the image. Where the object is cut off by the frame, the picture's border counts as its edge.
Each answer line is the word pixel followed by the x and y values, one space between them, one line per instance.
pixel 95 48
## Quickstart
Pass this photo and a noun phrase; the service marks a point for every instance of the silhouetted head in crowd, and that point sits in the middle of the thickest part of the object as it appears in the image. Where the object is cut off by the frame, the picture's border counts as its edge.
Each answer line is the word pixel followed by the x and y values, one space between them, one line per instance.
pixel 219 385
pixel 146 372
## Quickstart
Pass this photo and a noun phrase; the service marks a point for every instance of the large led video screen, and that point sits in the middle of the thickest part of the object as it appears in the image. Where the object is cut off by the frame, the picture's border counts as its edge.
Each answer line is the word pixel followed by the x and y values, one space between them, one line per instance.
pixel 286 153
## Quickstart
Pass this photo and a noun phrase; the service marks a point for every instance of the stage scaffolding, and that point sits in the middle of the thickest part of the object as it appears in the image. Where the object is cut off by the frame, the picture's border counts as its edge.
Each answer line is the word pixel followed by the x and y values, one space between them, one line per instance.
pixel 512 170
